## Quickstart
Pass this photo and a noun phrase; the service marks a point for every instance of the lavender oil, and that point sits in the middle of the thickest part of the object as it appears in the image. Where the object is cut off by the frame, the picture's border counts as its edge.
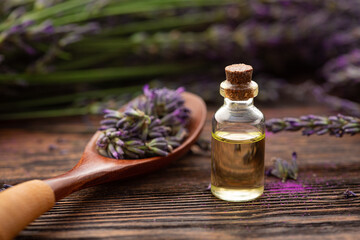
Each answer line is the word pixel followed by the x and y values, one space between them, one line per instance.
pixel 238 139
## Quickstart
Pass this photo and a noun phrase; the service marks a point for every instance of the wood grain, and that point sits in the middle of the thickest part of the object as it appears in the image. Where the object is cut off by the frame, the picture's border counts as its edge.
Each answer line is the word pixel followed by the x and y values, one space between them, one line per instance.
pixel 174 203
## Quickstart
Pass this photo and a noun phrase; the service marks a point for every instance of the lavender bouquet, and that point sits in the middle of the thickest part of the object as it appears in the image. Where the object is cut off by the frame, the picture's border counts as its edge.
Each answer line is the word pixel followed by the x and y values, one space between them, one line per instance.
pixel 151 125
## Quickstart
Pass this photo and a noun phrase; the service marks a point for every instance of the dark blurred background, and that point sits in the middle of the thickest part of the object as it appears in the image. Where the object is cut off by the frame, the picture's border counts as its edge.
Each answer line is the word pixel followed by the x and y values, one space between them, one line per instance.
pixel 77 57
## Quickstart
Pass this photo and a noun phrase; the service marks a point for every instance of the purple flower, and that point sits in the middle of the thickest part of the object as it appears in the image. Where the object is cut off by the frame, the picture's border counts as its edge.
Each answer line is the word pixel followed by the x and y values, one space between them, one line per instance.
pixel 150 126
pixel 283 169
pixel 349 194
pixel 180 90
pixel 16 29
pixel 148 93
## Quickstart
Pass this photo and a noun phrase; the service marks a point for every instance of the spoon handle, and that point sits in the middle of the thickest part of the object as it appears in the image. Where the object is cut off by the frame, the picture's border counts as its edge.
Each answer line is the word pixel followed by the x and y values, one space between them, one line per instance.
pixel 22 204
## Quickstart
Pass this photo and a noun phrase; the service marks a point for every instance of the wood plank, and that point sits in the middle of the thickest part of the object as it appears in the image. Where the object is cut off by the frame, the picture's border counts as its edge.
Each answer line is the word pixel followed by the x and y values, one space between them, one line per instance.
pixel 174 203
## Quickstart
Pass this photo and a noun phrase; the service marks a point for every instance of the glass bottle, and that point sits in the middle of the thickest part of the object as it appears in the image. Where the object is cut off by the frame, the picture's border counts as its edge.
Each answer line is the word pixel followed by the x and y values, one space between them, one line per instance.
pixel 238 139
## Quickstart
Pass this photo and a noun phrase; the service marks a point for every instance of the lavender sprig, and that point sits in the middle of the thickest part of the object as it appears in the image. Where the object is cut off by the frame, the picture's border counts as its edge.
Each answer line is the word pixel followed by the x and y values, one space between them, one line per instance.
pixel 152 125
pixel 283 169
pixel 313 124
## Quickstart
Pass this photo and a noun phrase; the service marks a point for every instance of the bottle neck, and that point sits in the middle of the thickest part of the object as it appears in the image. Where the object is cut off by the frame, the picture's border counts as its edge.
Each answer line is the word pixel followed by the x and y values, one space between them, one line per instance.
pixel 238 105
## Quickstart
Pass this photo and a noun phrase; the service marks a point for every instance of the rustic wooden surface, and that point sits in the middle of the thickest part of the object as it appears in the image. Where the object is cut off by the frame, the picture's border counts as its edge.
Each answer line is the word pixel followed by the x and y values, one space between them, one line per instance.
pixel 174 203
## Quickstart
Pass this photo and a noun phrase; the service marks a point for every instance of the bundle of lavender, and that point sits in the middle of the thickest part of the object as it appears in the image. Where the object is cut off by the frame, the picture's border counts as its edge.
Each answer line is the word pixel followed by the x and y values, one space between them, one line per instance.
pixel 151 125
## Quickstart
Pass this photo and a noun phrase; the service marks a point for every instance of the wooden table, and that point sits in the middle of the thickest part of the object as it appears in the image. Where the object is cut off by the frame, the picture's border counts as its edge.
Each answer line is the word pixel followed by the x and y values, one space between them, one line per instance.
pixel 174 203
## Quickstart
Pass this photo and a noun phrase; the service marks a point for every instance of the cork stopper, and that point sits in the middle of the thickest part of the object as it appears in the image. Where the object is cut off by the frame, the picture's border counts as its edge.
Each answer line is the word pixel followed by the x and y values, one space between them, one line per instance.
pixel 238 85
pixel 239 73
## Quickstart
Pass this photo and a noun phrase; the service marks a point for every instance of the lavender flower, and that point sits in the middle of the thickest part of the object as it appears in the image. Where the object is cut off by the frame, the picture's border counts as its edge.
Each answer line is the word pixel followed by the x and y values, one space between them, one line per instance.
pixel 349 194
pixel 25 35
pixel 152 125
pixel 312 124
pixel 344 69
pixel 336 103
pixel 4 187
pixel 283 169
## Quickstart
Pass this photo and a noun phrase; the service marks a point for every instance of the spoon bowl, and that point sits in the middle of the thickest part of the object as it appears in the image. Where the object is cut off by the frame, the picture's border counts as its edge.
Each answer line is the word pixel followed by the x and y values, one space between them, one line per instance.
pixel 23 203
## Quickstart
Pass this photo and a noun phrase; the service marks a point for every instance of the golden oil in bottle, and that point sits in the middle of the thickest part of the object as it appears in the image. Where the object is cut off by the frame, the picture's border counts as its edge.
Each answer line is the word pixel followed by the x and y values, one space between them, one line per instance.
pixel 238 139
pixel 237 165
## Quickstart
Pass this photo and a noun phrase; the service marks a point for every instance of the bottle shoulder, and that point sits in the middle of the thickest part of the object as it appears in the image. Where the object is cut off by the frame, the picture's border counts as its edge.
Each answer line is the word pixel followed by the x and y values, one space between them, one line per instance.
pixel 251 115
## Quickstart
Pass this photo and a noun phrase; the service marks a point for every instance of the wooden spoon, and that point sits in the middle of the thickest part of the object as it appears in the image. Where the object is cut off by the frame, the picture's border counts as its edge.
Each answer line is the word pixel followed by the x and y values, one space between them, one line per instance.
pixel 23 203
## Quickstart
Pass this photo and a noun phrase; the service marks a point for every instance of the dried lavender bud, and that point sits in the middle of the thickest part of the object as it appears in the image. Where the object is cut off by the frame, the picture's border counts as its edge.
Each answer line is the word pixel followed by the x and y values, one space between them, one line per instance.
pixel 130 154
pixel 113 115
pixel 158 142
pixel 293 168
pixel 152 125
pixel 61 140
pixel 181 134
pixel 161 145
pixel 311 124
pixel 201 147
pixel 134 142
pixel 349 194
pixel 112 151
pixel 173 144
pixel 52 147
pixel 119 142
pixel 133 112
pixel 284 170
pixel 117 133
pixel 137 126
pixel 158 151
pixel 102 151
pixel 5 186
pixel 280 169
pixel 119 150
pixel 136 150
pixel 268 171
pixel 121 122
pixel 155 135
pixel 110 111
pixel 108 122
pixel 204 144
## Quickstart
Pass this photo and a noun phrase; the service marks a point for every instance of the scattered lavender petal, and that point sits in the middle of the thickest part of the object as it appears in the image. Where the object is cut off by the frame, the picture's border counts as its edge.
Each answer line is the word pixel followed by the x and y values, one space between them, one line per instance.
pixel 349 194
pixel 52 147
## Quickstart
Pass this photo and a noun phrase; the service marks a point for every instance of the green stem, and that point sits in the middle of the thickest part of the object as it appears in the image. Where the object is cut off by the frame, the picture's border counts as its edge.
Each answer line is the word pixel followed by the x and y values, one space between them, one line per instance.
pixel 47 113
pixel 86 61
pixel 47 101
pixel 123 44
pixel 122 9
pixel 45 13
pixel 110 48
pixel 98 75
pixel 100 45
pixel 166 23
pixel 113 8
pixel 15 3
